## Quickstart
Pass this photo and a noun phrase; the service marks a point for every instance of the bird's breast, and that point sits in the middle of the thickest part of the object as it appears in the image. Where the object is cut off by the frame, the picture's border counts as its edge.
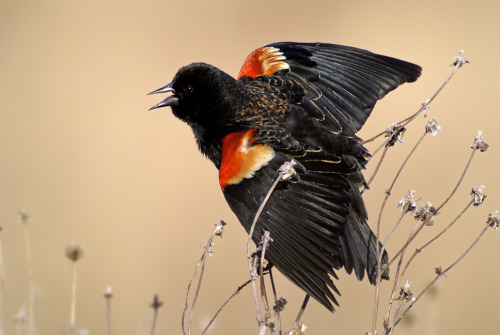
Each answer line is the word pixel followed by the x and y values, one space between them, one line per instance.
pixel 241 157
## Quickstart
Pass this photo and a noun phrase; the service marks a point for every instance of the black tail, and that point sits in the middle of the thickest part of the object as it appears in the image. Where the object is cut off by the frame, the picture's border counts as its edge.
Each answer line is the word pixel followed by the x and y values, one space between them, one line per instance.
pixel 358 241
pixel 360 249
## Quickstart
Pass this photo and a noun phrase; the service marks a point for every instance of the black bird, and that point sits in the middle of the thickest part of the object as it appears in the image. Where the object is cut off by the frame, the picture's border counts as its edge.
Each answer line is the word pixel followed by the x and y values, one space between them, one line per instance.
pixel 302 102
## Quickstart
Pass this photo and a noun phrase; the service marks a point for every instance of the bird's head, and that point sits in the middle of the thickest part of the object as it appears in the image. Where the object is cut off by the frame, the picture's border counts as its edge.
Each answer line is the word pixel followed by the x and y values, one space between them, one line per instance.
pixel 201 94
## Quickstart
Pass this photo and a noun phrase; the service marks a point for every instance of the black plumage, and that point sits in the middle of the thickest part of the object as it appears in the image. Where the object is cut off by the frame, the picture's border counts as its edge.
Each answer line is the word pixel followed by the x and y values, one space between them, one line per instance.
pixel 302 102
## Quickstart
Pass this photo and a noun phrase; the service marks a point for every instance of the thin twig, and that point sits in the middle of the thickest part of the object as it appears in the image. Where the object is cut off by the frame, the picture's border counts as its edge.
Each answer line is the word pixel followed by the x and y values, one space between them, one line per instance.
pixel 302 309
pixel 396 278
pixel 108 315
pixel 249 241
pixel 238 290
pixel 207 251
pixel 424 106
pixel 73 299
pixel 418 250
pixel 2 283
pixel 265 241
pixel 437 210
pixel 31 306
pixel 156 306
pixel 379 164
pixel 380 252
pixel 441 273
pixel 108 294
pixel 284 172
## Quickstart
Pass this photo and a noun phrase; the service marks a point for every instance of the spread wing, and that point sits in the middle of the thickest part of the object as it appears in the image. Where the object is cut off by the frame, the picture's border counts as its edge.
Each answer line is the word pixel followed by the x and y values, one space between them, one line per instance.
pixel 306 103
pixel 342 83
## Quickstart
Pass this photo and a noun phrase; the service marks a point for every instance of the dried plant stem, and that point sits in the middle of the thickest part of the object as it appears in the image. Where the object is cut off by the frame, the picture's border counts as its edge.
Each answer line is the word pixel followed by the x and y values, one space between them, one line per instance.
pixel 379 164
pixel 73 299
pixel 201 263
pixel 108 315
pixel 4 295
pixel 424 107
pixel 284 172
pixel 265 242
pixel 302 309
pixel 418 250
pixel 31 303
pixel 251 265
pixel 155 318
pixel 19 328
pixel 276 310
pixel 437 210
pixel 380 252
pixel 238 290
pixel 397 280
pixel 442 273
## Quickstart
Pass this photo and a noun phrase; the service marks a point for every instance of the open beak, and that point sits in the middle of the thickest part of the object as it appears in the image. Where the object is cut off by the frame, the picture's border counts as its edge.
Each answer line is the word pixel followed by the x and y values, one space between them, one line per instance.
pixel 171 100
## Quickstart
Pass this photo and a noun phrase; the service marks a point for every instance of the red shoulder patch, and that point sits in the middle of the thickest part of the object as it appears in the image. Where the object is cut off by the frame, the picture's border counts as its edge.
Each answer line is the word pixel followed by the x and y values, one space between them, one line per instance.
pixel 263 61
pixel 241 158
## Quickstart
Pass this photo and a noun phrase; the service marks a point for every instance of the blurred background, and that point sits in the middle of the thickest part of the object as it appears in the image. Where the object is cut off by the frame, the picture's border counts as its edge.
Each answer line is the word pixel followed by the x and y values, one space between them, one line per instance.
pixel 82 153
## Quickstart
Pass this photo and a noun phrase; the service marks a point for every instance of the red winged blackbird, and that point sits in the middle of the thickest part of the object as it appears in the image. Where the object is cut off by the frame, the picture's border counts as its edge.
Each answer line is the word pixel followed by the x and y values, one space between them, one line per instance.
pixel 302 102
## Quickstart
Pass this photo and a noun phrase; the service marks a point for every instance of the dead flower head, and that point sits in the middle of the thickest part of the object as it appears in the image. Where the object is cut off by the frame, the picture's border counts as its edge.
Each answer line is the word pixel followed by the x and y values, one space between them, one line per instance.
pixel 21 317
pixel 405 292
pixel 478 194
pixel 426 106
pixel 287 170
pixel 298 329
pixel 219 229
pixel 460 59
pixel 494 220
pixel 156 302
pixel 108 294
pixel 409 202
pixel 23 216
pixel 74 251
pixel 279 305
pixel 432 126
pixel 426 213
pixel 395 132
pixel 479 142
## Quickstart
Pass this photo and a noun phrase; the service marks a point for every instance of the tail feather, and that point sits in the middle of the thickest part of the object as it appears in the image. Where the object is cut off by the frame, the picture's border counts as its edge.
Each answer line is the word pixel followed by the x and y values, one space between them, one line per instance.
pixel 360 249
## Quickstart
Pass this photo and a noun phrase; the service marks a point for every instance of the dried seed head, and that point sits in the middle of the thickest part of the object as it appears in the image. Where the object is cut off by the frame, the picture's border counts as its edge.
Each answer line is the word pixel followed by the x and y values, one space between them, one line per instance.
pixel 279 305
pixel 426 213
pixel 287 170
pixel 460 60
pixel 432 126
pixel 409 202
pixel 395 132
pixel 23 216
pixel 74 251
pixel 298 329
pixel 426 106
pixel 266 238
pixel 219 229
pixel 156 302
pixel 478 194
pixel 479 142
pixel 21 317
pixel 494 220
pixel 108 294
pixel 405 292
pixel 209 249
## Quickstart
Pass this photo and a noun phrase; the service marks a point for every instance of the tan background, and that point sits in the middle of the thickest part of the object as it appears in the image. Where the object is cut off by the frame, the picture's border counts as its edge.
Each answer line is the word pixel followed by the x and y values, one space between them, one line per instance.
pixel 80 151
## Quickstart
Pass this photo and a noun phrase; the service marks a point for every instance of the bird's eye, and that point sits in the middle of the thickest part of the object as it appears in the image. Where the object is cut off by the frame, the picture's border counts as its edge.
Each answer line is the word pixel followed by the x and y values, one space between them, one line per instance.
pixel 189 88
